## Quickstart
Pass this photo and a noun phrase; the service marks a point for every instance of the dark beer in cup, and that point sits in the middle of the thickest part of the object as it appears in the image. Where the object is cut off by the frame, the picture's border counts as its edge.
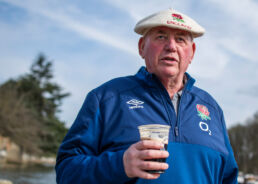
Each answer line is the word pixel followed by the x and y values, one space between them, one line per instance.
pixel 155 132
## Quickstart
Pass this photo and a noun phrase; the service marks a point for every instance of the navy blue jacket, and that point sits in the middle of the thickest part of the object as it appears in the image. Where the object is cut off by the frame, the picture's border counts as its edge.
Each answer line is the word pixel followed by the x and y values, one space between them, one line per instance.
pixel 92 151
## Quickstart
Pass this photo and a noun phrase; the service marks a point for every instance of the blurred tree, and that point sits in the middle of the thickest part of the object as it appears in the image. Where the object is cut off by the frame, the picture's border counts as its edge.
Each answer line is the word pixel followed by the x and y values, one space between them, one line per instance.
pixel 244 141
pixel 39 100
pixel 43 95
pixel 17 121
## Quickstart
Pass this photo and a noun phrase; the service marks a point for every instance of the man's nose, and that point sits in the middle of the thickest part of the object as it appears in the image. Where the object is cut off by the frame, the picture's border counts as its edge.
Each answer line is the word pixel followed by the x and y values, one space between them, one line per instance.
pixel 170 45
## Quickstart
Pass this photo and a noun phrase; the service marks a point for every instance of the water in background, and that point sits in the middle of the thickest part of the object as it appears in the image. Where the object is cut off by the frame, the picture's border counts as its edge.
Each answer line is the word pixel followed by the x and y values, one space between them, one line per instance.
pixel 33 175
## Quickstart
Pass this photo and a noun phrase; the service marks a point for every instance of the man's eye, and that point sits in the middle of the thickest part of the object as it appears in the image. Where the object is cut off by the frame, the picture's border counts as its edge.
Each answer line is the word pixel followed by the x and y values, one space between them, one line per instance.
pixel 180 39
pixel 161 37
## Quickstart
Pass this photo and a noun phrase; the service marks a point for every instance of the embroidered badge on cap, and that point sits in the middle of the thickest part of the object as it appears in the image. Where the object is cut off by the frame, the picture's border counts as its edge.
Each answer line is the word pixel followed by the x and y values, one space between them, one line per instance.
pixel 177 17
pixel 203 112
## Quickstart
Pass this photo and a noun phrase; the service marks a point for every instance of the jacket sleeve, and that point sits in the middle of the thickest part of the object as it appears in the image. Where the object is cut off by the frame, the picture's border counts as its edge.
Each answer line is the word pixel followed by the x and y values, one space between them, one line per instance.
pixel 80 159
pixel 230 173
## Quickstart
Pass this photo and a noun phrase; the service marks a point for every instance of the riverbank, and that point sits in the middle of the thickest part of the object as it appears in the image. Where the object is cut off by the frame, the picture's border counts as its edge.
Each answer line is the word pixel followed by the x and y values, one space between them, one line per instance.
pixel 12 156
pixel 5 182
pixel 29 175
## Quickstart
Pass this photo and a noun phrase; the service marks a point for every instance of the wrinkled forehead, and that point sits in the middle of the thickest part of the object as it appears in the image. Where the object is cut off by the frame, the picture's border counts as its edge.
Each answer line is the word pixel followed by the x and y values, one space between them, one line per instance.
pixel 167 30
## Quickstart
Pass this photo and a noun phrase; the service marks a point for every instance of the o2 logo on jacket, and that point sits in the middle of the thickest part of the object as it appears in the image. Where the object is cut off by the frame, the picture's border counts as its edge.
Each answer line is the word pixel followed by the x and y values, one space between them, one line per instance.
pixel 204 127
pixel 204 114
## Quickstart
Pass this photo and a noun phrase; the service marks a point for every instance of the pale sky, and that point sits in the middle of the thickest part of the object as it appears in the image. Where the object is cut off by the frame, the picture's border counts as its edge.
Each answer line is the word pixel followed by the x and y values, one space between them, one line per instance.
pixel 92 41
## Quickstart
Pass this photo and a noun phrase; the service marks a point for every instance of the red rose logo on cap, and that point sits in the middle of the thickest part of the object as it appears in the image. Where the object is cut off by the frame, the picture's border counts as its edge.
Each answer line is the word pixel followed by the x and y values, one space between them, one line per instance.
pixel 177 17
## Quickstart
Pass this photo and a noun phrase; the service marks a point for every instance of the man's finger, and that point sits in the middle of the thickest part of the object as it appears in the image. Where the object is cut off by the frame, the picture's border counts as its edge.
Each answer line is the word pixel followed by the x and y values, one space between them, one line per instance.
pixel 153 165
pixel 149 176
pixel 152 154
pixel 149 144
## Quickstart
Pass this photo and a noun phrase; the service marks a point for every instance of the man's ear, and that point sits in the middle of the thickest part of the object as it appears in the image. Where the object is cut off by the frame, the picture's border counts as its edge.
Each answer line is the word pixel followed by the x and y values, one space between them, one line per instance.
pixel 141 47
pixel 193 51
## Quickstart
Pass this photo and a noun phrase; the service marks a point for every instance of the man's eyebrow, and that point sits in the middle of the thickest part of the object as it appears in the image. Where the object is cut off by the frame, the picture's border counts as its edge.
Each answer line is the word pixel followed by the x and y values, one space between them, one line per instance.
pixel 185 34
pixel 161 32
pixel 181 34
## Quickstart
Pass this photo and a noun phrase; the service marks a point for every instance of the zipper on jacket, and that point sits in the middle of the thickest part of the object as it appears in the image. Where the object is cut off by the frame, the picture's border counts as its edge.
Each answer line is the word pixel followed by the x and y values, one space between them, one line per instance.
pixel 176 130
pixel 178 116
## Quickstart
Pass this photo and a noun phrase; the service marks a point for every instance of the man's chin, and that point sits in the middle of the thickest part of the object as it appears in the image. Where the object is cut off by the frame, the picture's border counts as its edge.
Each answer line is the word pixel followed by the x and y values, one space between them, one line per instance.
pixel 169 73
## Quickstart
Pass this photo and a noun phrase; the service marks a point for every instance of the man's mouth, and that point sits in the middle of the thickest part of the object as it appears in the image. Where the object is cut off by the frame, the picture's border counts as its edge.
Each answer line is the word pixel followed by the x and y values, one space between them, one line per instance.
pixel 171 59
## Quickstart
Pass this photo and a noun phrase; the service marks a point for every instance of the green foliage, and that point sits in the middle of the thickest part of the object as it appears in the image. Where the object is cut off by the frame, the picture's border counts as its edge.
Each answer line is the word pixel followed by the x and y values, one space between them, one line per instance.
pixel 42 94
pixel 244 141
pixel 29 107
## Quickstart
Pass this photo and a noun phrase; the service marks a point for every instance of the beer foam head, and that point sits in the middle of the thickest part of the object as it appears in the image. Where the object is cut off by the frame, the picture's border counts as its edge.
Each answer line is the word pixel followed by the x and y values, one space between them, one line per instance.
pixel 154 132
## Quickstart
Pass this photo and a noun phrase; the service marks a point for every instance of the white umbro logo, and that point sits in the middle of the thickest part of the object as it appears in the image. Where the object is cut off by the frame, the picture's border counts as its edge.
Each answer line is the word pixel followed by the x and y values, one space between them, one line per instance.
pixel 135 104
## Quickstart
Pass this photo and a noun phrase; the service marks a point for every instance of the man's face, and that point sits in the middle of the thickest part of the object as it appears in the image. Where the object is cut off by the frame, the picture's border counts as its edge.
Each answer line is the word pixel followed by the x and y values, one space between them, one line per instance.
pixel 167 52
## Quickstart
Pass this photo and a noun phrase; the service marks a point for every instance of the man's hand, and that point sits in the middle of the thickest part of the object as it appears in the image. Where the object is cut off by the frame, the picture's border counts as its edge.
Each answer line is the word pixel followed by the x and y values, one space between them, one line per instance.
pixel 136 159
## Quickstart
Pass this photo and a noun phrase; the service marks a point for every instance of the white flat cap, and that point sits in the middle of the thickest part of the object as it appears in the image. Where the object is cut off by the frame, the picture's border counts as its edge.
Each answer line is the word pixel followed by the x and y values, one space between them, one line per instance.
pixel 172 19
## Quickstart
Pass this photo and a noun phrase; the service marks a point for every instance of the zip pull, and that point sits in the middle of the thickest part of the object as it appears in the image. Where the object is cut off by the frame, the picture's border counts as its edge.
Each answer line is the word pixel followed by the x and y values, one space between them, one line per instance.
pixel 176 131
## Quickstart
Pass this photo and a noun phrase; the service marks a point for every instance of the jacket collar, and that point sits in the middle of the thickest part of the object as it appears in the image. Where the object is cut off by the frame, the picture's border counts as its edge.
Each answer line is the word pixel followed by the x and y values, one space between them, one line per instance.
pixel 153 81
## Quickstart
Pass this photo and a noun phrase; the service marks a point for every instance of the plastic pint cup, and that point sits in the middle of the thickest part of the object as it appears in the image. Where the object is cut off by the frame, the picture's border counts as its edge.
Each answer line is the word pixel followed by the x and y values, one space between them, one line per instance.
pixel 156 132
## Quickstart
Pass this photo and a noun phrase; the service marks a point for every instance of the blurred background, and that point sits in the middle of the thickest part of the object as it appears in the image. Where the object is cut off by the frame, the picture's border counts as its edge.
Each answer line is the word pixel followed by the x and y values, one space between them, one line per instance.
pixel 52 53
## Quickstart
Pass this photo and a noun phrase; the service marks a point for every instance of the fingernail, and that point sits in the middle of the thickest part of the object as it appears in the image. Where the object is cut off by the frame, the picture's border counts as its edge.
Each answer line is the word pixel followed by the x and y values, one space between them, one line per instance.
pixel 167 153
pixel 167 166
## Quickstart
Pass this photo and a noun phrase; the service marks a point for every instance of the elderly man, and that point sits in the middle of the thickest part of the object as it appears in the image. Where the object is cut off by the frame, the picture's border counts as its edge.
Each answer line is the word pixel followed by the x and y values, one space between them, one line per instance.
pixel 103 145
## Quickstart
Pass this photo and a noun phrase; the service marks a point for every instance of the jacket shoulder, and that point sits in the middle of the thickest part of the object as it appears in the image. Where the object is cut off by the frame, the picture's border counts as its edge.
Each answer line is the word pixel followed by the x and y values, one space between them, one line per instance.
pixel 205 97
pixel 115 87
